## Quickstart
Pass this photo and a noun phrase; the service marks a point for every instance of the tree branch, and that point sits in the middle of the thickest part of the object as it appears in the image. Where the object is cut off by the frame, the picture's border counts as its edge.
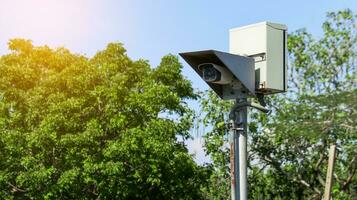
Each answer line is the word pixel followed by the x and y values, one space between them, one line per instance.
pixel 320 161
pixel 347 126
pixel 298 179
pixel 349 179
pixel 16 189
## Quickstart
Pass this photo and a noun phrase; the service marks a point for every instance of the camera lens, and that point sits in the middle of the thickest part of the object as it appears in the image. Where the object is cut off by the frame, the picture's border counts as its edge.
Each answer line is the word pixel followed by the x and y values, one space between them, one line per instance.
pixel 210 74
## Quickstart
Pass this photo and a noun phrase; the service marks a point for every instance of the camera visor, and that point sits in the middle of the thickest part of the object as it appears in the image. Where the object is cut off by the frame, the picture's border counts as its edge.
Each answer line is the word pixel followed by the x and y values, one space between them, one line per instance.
pixel 210 73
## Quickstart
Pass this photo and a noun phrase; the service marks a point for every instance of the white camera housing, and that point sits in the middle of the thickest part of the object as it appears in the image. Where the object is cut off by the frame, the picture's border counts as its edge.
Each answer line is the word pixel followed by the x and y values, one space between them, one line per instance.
pixel 266 42
pixel 220 75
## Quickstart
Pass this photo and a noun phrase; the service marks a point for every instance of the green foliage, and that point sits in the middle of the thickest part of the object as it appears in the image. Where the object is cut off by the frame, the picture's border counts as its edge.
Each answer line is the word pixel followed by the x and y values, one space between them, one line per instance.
pixel 288 150
pixel 216 144
pixel 78 128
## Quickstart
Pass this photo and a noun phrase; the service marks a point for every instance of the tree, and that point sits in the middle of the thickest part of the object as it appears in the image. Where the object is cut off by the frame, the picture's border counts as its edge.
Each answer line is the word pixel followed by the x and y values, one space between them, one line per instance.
pixel 105 127
pixel 288 150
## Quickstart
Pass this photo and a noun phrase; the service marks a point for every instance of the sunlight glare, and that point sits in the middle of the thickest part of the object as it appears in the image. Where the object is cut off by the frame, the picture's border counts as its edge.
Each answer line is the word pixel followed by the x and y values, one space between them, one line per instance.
pixel 46 21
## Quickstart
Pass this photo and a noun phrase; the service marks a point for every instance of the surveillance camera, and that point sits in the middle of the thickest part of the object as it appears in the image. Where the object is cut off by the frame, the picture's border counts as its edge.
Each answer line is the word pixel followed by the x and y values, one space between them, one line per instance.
pixel 213 73
pixel 230 76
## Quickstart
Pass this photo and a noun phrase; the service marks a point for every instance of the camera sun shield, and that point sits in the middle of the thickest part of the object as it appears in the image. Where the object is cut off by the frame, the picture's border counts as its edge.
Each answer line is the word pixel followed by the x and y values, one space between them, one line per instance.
pixel 236 72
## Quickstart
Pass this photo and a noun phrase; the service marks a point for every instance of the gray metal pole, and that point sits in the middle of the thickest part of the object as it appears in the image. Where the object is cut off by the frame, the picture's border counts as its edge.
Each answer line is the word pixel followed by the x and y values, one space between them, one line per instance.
pixel 234 144
pixel 243 182
pixel 238 159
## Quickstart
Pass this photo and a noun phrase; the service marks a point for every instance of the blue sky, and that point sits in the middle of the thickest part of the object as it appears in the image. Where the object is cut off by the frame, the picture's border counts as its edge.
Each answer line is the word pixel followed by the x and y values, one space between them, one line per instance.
pixel 151 29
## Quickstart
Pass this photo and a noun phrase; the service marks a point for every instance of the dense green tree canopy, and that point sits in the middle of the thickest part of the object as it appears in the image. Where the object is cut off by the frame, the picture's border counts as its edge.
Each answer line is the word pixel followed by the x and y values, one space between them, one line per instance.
pixel 288 150
pixel 101 128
